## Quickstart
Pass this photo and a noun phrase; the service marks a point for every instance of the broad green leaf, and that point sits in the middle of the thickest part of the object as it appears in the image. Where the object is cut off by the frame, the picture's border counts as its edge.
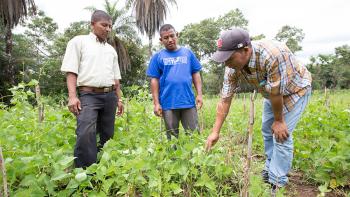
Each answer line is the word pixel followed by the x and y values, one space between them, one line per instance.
pixel 80 177
pixel 66 160
pixel 60 175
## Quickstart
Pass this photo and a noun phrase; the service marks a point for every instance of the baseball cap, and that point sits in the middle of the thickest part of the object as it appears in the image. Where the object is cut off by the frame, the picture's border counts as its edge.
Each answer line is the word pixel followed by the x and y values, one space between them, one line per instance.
pixel 229 41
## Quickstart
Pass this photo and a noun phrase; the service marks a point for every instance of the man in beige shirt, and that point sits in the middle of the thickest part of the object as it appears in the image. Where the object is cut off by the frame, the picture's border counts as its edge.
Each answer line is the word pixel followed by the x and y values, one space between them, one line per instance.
pixel 92 64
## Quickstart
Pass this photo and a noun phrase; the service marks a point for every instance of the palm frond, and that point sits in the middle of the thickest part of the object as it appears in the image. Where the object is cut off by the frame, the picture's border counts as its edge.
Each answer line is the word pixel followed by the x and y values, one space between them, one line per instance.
pixel 123 56
pixel 12 11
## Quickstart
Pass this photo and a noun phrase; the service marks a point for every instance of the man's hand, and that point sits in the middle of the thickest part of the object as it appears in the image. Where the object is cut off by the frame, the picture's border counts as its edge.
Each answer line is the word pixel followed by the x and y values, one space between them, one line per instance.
pixel 74 105
pixel 199 101
pixel 120 108
pixel 157 110
pixel 211 140
pixel 280 130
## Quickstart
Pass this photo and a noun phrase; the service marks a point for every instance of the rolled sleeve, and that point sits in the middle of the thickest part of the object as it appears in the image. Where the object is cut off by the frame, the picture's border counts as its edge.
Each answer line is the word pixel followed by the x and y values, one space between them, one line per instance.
pixel 71 60
pixel 230 84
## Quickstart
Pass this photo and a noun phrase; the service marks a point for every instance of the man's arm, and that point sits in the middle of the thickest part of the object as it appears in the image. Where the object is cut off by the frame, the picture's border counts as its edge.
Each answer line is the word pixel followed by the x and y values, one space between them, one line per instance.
pixel 279 126
pixel 196 77
pixel 119 95
pixel 73 101
pixel 155 95
pixel 222 110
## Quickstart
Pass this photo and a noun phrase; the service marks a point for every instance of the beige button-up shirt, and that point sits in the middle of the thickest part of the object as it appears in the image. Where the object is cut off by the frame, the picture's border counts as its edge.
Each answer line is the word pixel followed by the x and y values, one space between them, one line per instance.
pixel 95 63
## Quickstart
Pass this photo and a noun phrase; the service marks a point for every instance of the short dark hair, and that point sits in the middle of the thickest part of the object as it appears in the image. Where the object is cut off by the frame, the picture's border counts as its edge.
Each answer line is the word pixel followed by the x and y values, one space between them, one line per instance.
pixel 99 15
pixel 166 27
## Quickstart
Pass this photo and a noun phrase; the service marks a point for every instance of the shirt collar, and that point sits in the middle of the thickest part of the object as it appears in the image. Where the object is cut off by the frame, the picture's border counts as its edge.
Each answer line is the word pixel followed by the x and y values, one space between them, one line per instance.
pixel 94 37
pixel 252 60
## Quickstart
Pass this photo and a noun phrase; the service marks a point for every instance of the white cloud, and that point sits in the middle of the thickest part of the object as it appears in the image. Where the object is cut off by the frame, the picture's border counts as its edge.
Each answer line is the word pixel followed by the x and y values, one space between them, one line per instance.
pixel 324 22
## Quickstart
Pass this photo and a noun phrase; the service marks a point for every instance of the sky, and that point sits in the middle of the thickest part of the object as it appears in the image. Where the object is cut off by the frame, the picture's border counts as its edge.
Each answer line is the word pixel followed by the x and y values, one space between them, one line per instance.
pixel 324 22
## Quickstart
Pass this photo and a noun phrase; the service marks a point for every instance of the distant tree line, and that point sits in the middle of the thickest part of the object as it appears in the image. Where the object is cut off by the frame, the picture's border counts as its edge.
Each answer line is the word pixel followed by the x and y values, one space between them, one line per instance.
pixel 38 51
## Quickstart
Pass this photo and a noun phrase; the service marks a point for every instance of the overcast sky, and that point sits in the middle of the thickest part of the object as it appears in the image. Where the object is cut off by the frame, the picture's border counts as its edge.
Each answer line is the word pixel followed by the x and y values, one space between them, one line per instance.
pixel 324 22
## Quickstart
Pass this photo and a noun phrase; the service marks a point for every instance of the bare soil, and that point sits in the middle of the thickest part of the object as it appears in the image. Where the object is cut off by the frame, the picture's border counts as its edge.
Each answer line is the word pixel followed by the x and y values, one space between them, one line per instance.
pixel 298 187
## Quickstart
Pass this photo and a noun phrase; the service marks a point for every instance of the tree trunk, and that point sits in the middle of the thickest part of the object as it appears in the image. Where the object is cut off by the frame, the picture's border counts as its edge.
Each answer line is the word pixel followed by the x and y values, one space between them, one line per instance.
pixel 149 46
pixel 9 69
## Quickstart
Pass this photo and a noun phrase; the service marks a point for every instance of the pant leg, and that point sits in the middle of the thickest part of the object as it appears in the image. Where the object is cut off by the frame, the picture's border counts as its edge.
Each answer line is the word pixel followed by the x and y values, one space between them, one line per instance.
pixel 85 149
pixel 107 118
pixel 267 120
pixel 189 119
pixel 171 120
pixel 282 156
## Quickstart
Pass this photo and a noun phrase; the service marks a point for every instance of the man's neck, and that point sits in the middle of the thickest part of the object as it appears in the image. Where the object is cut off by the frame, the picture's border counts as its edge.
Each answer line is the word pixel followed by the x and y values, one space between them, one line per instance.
pixel 100 40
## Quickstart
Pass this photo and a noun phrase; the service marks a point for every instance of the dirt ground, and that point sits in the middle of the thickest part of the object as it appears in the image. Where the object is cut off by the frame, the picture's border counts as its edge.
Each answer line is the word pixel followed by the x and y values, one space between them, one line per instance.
pixel 298 187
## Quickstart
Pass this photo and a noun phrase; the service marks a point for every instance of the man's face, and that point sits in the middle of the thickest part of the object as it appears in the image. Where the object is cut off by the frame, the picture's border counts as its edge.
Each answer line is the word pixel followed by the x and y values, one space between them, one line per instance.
pixel 169 39
pixel 102 28
pixel 238 59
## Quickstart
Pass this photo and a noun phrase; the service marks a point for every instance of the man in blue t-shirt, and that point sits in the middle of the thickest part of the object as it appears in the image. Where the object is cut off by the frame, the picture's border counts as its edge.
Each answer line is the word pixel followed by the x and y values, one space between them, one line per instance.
pixel 172 71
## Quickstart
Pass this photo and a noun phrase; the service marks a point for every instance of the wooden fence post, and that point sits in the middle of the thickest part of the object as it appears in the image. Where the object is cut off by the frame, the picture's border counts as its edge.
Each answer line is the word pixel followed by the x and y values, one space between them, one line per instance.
pixel 326 97
pixel 40 104
pixel 3 171
pixel 245 190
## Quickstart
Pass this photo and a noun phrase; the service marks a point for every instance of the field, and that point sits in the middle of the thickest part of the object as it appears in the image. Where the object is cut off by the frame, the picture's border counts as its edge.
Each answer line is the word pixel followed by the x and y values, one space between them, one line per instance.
pixel 139 161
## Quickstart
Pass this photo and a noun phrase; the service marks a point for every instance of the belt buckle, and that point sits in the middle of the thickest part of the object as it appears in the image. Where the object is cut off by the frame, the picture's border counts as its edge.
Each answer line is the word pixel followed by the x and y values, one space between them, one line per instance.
pixel 106 89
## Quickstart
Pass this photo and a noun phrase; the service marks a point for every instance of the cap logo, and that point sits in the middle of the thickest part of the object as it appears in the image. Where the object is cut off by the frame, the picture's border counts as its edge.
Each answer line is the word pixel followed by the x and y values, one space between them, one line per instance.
pixel 240 45
pixel 219 43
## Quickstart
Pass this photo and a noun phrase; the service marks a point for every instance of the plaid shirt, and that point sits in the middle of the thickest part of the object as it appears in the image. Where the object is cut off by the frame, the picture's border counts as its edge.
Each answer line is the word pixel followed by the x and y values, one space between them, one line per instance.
pixel 272 69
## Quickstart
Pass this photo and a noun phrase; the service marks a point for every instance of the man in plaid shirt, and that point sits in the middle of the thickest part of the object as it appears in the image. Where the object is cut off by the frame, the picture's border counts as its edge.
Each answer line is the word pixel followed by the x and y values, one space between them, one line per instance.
pixel 285 83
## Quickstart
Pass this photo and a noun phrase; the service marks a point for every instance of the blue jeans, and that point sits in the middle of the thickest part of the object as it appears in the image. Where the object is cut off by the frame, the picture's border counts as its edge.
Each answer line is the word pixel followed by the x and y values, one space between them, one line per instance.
pixel 279 156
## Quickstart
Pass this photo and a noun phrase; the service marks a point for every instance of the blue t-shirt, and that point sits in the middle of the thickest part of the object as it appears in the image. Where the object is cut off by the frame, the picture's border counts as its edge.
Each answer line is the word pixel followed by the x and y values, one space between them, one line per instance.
pixel 174 70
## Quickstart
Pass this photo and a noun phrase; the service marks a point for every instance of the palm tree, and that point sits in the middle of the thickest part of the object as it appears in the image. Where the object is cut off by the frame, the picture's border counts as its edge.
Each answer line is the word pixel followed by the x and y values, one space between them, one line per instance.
pixel 123 27
pixel 11 12
pixel 150 15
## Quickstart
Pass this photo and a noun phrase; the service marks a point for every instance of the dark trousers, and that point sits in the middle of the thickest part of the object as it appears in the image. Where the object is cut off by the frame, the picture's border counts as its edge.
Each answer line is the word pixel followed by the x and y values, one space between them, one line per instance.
pixel 96 116
pixel 172 118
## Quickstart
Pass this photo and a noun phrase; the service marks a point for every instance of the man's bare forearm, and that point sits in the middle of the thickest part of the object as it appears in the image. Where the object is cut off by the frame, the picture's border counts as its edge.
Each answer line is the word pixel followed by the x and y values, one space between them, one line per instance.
pixel 118 89
pixel 155 90
pixel 223 107
pixel 196 77
pixel 71 84
pixel 277 106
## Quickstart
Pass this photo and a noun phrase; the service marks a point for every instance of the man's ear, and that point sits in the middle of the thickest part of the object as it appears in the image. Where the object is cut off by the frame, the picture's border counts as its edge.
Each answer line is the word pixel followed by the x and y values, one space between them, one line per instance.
pixel 92 25
pixel 160 39
pixel 177 34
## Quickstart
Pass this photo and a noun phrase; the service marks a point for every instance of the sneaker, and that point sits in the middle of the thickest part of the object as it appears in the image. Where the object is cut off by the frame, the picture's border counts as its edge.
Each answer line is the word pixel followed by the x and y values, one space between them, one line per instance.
pixel 265 176
pixel 274 189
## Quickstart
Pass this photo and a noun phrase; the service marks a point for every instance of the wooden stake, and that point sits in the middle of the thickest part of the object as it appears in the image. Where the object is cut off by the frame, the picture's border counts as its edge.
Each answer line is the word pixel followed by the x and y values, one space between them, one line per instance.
pixel 245 190
pixel 244 103
pixel 3 170
pixel 40 105
pixel 161 128
pixel 326 101
pixel 201 127
pixel 126 110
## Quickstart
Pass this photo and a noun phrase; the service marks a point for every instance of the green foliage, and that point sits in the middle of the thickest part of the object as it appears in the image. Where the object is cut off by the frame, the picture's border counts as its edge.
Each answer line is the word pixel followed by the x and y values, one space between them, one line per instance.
pixel 292 36
pixel 201 38
pixel 331 71
pixel 323 140
pixel 136 73
pixel 140 161
pixel 41 30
